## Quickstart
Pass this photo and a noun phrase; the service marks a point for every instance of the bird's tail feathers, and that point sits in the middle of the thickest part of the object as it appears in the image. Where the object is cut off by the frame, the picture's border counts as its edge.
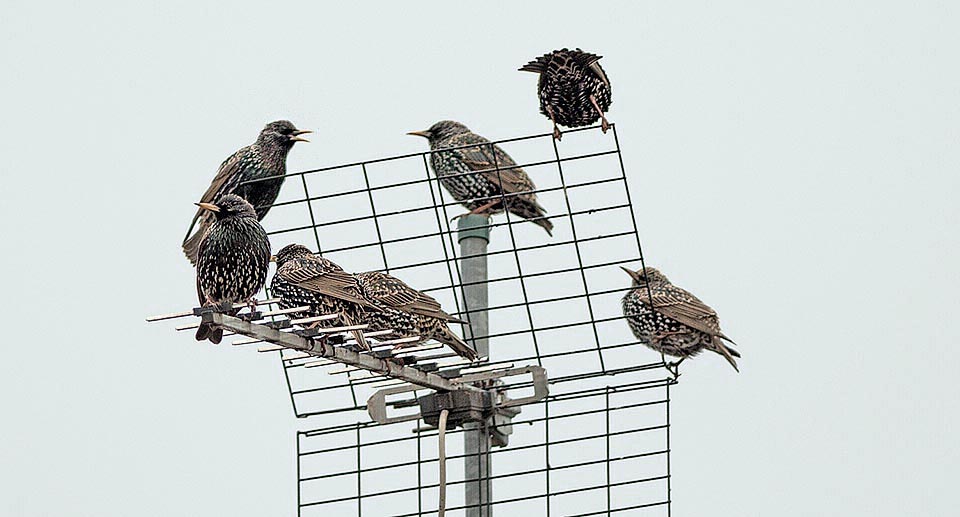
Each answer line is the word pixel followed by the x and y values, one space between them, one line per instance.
pixel 727 353
pixel 539 211
pixel 208 331
pixel 545 224
pixel 458 345
pixel 537 66
pixel 357 334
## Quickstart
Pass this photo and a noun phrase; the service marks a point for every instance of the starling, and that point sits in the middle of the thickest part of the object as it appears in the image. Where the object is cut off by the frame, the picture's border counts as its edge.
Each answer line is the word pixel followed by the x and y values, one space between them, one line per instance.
pixel 408 312
pixel 573 88
pixel 232 259
pixel 672 321
pixel 265 158
pixel 482 191
pixel 305 279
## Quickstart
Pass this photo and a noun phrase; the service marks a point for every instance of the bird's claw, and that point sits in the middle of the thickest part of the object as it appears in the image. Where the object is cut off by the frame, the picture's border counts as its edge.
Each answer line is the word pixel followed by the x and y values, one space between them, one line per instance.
pixel 673 368
pixel 557 135
pixel 604 125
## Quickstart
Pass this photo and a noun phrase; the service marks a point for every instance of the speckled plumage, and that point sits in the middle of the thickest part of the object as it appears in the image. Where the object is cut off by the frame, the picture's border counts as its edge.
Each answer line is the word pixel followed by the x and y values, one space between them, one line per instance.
pixel 481 191
pixel 408 312
pixel 232 258
pixel 673 321
pixel 305 279
pixel 570 82
pixel 265 158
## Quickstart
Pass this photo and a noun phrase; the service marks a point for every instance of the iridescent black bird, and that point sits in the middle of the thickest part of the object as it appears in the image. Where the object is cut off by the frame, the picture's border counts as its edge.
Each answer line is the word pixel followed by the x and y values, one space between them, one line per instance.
pixel 305 279
pixel 672 321
pixel 495 174
pixel 408 312
pixel 574 90
pixel 232 259
pixel 265 158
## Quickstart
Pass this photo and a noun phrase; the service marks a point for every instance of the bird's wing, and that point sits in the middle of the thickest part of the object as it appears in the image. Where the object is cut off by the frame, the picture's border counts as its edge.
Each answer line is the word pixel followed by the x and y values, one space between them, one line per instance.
pixel 684 307
pixel 224 182
pixel 488 158
pixel 590 62
pixel 538 65
pixel 323 277
pixel 395 293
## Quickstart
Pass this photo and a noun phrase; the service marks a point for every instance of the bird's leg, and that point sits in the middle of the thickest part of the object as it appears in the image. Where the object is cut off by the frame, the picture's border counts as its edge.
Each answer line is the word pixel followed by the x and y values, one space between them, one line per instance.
pixel 479 210
pixel 251 307
pixel 557 135
pixel 604 125
pixel 674 368
pixel 483 208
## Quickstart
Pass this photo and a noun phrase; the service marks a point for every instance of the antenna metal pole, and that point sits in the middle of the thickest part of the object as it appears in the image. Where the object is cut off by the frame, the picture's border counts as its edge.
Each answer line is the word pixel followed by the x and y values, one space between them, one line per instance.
pixel 473 233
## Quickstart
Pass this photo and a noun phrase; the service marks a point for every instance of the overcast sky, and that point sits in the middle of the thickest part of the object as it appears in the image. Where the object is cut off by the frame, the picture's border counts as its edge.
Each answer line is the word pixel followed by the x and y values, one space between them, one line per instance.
pixel 795 165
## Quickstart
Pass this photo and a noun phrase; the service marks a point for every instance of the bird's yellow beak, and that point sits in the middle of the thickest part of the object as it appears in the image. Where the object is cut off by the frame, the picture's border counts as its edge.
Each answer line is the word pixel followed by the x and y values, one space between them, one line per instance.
pixel 273 258
pixel 424 133
pixel 295 137
pixel 633 274
pixel 208 206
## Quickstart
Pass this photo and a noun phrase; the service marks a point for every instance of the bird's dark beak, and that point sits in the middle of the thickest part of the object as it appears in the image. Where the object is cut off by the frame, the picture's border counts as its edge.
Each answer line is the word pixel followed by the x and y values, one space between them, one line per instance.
pixel 208 206
pixel 295 136
pixel 425 133
pixel 633 274
pixel 273 258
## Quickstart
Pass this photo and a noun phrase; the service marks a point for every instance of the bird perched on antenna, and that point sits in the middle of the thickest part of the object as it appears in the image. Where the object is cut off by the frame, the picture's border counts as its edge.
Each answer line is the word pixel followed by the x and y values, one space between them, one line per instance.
pixel 232 259
pixel 672 321
pixel 496 179
pixel 408 312
pixel 574 90
pixel 265 159
pixel 305 279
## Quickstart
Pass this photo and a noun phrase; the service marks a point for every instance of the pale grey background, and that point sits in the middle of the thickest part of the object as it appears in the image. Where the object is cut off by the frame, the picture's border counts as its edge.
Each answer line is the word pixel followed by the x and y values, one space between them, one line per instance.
pixel 795 164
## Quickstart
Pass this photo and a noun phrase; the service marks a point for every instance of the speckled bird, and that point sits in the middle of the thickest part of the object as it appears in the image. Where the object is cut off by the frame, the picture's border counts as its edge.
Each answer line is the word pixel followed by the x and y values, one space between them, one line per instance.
pixel 306 279
pixel 408 312
pixel 481 192
pixel 232 258
pixel 574 90
pixel 265 158
pixel 673 321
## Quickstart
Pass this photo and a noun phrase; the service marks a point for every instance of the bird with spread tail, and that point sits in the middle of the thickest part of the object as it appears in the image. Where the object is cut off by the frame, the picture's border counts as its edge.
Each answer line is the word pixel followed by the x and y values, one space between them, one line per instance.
pixel 672 321
pixel 482 177
pixel 408 312
pixel 304 279
pixel 574 90
pixel 265 161
pixel 232 259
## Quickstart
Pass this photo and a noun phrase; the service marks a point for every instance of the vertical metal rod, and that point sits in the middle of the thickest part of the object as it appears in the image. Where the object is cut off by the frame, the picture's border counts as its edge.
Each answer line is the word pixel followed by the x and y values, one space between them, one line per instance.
pixel 607 415
pixel 359 479
pixel 546 446
pixel 669 495
pixel 313 221
pixel 299 498
pixel 376 220
pixel 420 425
pixel 473 232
